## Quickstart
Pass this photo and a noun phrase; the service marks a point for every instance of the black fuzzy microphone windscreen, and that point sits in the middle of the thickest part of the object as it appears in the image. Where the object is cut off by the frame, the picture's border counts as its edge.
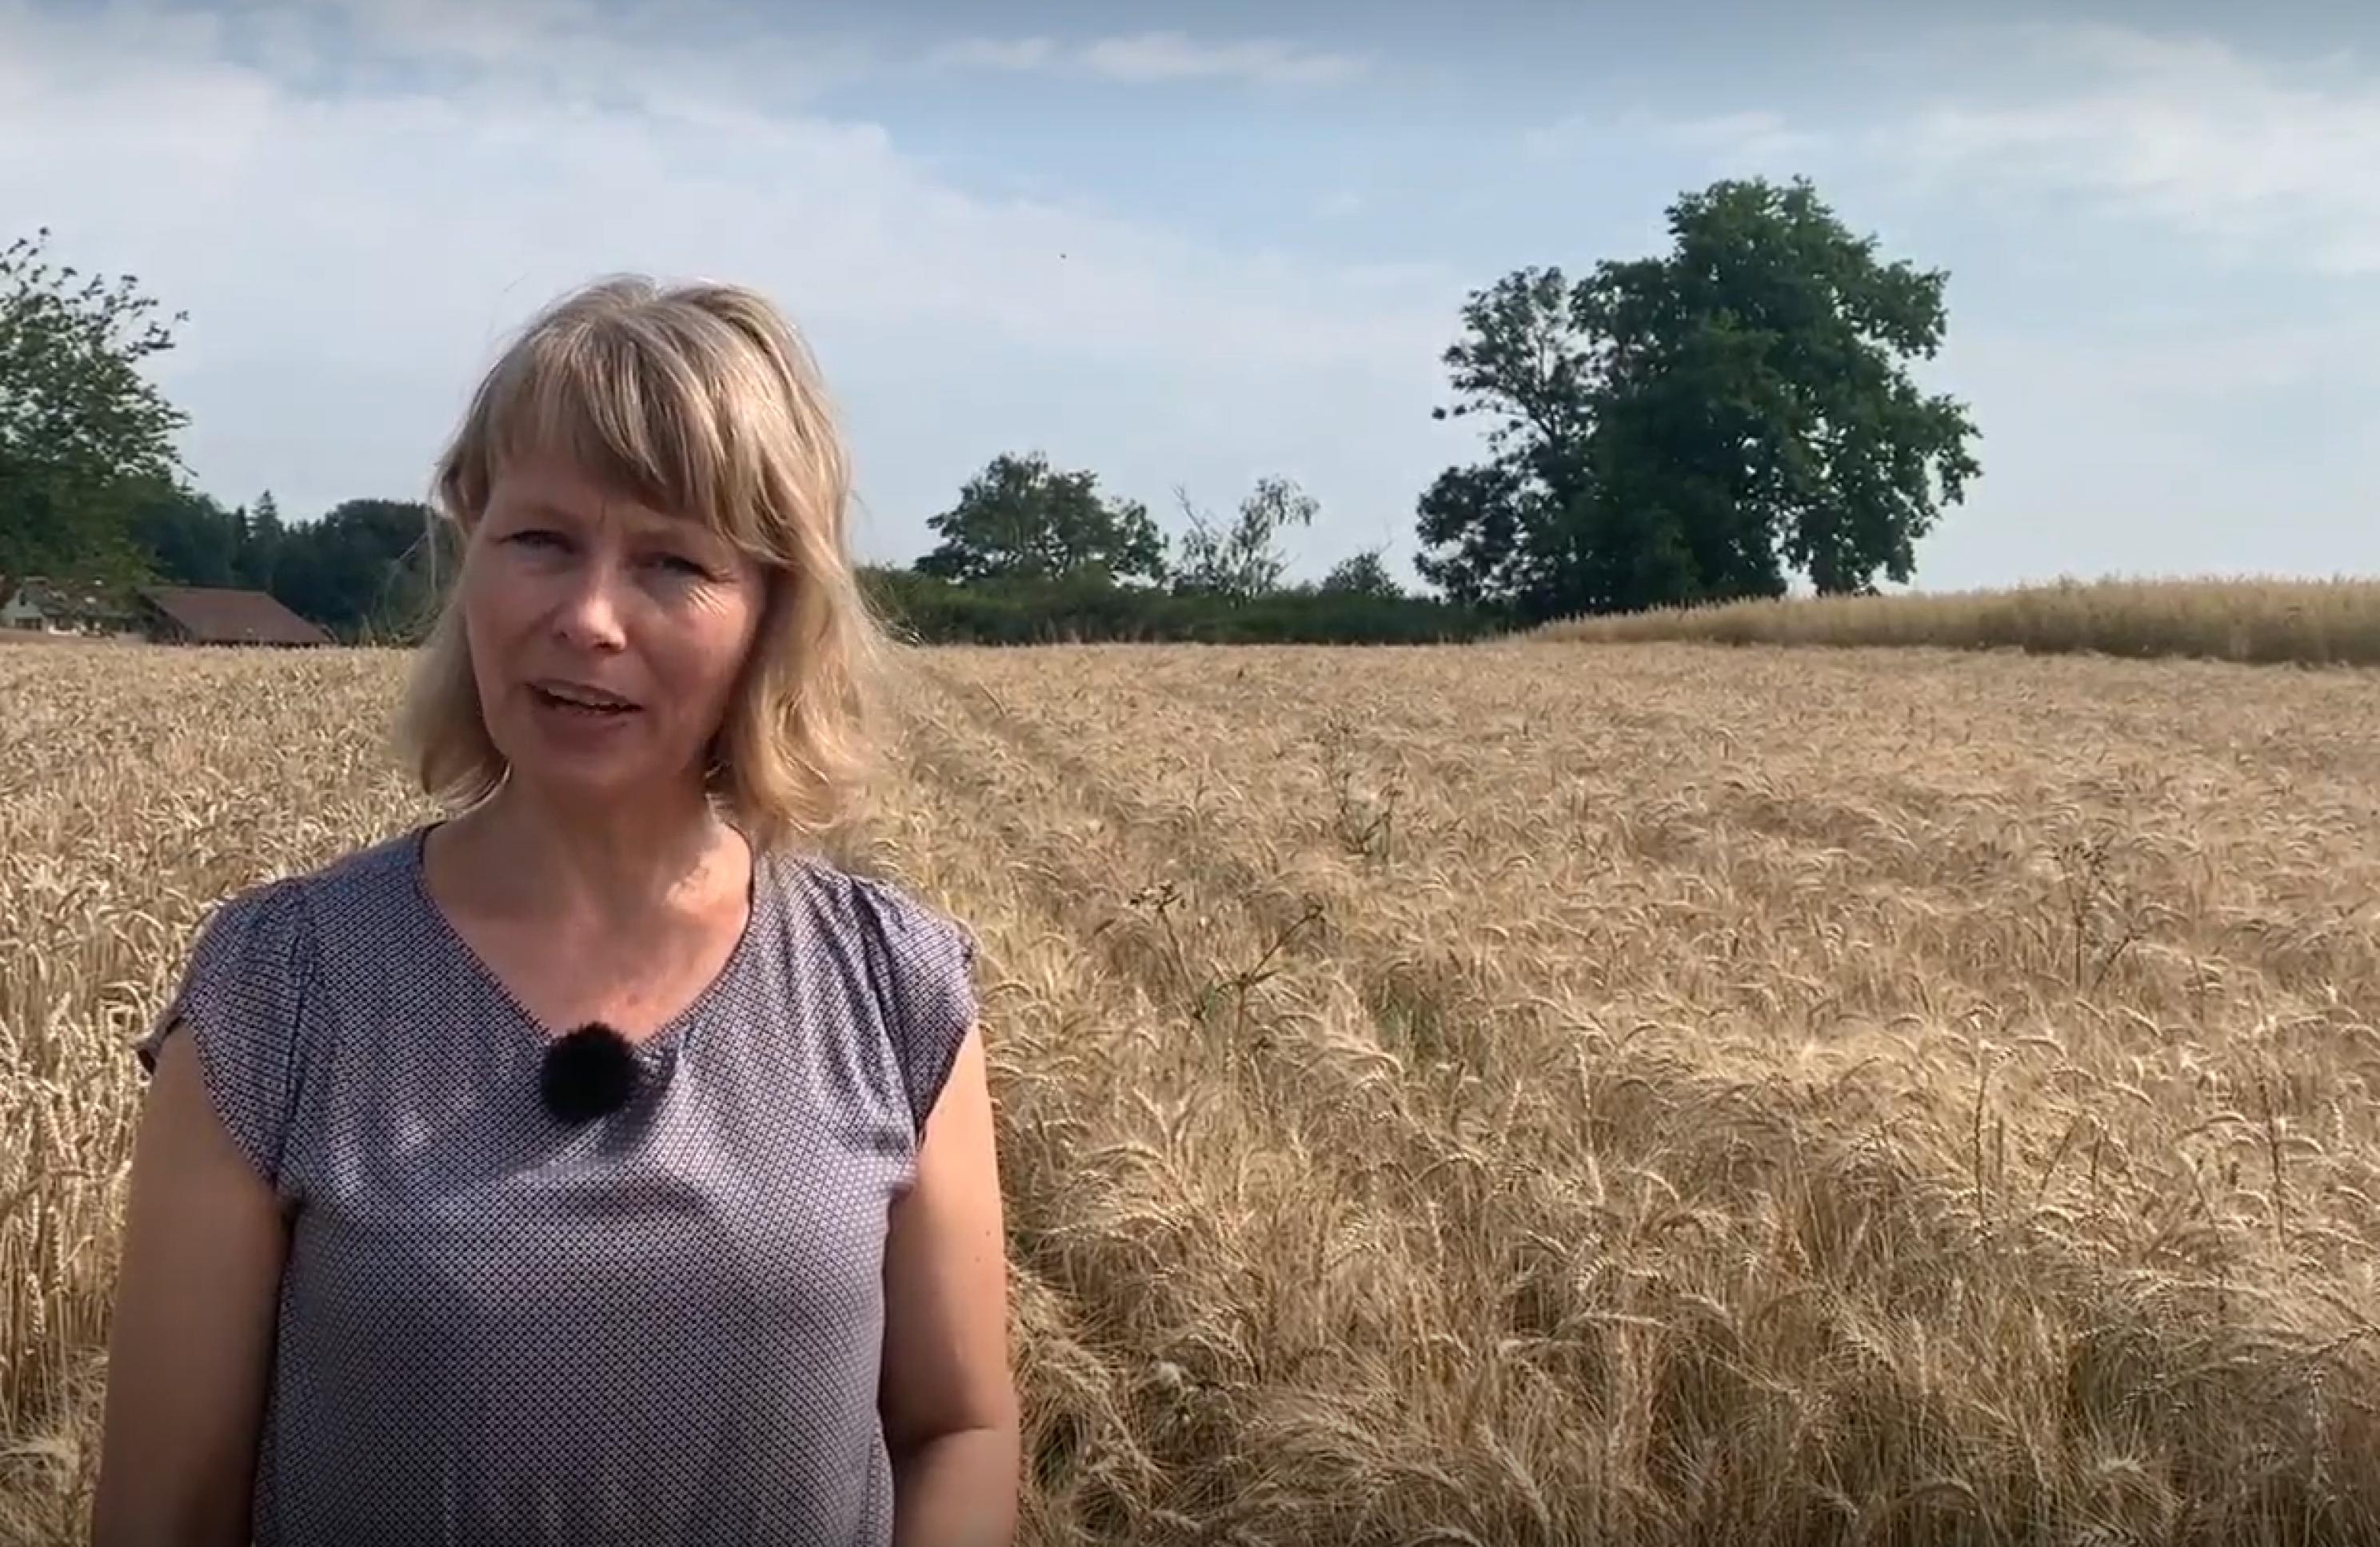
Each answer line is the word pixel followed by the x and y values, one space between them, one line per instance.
pixel 587 1074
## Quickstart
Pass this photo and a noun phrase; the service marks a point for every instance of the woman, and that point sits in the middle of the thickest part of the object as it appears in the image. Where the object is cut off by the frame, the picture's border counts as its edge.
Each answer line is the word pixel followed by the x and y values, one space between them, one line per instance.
pixel 598 1164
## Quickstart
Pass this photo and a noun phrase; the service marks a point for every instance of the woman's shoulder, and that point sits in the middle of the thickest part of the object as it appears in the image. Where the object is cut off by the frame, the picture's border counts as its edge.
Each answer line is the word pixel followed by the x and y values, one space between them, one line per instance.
pixel 872 903
pixel 907 958
pixel 305 898
pixel 292 923
pixel 252 993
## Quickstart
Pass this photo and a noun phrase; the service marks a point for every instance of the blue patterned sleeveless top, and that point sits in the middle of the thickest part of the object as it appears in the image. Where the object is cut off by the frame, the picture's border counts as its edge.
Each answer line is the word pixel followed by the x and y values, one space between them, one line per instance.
pixel 661 1327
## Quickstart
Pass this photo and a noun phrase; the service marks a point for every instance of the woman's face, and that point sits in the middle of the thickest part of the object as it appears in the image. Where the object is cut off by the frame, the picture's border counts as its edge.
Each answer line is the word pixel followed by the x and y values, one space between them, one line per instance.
pixel 605 638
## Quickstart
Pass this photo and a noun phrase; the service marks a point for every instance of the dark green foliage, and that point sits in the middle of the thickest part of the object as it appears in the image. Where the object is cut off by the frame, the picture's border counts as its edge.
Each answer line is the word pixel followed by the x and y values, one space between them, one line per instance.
pixel 189 539
pixel 1361 574
pixel 363 572
pixel 81 431
pixel 1501 528
pixel 1020 519
pixel 261 533
pixel 932 611
pixel 1691 427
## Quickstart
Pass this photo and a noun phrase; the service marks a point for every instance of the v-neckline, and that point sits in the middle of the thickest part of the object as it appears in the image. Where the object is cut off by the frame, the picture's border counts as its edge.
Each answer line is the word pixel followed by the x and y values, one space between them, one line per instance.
pixel 663 1038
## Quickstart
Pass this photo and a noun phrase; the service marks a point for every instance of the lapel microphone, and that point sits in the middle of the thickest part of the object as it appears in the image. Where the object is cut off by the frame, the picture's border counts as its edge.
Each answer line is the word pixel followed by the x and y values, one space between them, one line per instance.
pixel 590 1073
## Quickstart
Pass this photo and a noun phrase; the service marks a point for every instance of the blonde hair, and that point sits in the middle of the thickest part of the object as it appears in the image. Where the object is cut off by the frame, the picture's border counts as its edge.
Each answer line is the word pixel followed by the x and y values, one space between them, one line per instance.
pixel 698 399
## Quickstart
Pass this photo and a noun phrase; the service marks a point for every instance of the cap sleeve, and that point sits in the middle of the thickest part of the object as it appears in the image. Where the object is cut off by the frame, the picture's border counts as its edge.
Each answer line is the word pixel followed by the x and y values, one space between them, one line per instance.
pixel 241 1000
pixel 925 961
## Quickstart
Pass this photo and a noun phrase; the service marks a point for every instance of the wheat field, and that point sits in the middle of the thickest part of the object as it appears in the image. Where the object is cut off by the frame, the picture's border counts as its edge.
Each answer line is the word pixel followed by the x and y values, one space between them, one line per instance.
pixel 1504 1093
pixel 2255 619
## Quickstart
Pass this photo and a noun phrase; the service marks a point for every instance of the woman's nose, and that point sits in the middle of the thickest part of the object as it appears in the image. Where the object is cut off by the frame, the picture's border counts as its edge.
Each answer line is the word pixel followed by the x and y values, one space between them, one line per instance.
pixel 588 618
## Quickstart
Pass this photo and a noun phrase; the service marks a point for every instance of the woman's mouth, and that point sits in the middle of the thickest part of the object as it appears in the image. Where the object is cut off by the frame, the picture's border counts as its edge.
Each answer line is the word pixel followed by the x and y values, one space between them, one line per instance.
pixel 578 699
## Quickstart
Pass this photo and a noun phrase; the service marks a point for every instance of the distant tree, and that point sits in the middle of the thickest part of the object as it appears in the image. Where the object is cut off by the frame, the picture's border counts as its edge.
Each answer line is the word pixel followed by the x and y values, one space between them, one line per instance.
pixel 363 569
pixel 1244 561
pixel 82 432
pixel 1361 574
pixel 1020 519
pixel 1688 427
pixel 262 535
pixel 368 569
pixel 187 538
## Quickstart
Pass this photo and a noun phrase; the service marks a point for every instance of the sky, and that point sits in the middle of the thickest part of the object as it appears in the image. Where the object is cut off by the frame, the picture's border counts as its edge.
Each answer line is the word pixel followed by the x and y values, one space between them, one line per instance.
pixel 1187 246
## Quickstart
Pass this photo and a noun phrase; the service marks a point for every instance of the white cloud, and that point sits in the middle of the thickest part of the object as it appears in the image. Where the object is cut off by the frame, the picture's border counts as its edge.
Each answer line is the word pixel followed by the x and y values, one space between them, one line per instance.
pixel 2258 158
pixel 1158 56
pixel 1173 56
pixel 2254 156
pixel 350 255
pixel 1736 142
pixel 456 30
pixel 996 53
pixel 1761 136
pixel 619 159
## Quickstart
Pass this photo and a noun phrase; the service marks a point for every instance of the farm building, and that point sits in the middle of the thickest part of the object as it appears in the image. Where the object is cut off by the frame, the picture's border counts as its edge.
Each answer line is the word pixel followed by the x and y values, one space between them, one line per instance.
pixel 212 615
pixel 45 606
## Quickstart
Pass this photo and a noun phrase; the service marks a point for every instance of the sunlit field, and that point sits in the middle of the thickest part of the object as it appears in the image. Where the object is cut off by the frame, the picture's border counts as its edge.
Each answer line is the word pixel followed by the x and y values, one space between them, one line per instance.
pixel 1507 1094
pixel 2267 620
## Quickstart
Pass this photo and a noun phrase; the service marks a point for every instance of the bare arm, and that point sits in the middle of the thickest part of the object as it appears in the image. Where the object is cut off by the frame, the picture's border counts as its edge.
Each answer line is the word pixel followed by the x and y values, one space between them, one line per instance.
pixel 191 1339
pixel 948 1399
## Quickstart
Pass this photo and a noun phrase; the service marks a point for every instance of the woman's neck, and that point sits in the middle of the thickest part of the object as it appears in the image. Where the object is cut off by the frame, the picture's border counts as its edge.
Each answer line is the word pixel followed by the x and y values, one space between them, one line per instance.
pixel 612 864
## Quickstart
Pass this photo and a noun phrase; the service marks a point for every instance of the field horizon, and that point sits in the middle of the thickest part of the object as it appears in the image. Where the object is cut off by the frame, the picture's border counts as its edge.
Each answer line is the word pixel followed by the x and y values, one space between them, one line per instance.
pixel 2260 620
pixel 1486 1093
pixel 2256 620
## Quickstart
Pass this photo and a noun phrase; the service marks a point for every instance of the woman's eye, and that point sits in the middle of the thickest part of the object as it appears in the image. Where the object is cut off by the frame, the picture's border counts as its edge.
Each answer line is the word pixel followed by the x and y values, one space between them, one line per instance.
pixel 678 563
pixel 535 536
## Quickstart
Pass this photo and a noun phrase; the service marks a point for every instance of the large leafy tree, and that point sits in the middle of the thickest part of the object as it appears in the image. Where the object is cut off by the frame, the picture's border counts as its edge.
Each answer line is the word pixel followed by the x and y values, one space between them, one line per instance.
pixel 1021 519
pixel 84 437
pixel 1697 425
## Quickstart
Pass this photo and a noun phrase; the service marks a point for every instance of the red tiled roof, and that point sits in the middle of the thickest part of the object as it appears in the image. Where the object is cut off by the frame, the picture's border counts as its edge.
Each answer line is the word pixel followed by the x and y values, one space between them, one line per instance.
pixel 213 615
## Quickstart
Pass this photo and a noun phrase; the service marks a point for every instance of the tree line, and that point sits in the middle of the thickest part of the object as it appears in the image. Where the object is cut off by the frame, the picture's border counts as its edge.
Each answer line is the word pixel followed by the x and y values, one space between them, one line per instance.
pixel 1699 426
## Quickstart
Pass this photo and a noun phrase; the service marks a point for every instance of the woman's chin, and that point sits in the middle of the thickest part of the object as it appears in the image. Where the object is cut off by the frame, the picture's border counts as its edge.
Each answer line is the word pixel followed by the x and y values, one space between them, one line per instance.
pixel 590 777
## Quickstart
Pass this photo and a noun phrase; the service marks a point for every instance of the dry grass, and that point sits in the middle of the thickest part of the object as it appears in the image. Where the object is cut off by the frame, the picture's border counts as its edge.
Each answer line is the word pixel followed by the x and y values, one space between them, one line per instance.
pixel 1484 1095
pixel 2307 621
